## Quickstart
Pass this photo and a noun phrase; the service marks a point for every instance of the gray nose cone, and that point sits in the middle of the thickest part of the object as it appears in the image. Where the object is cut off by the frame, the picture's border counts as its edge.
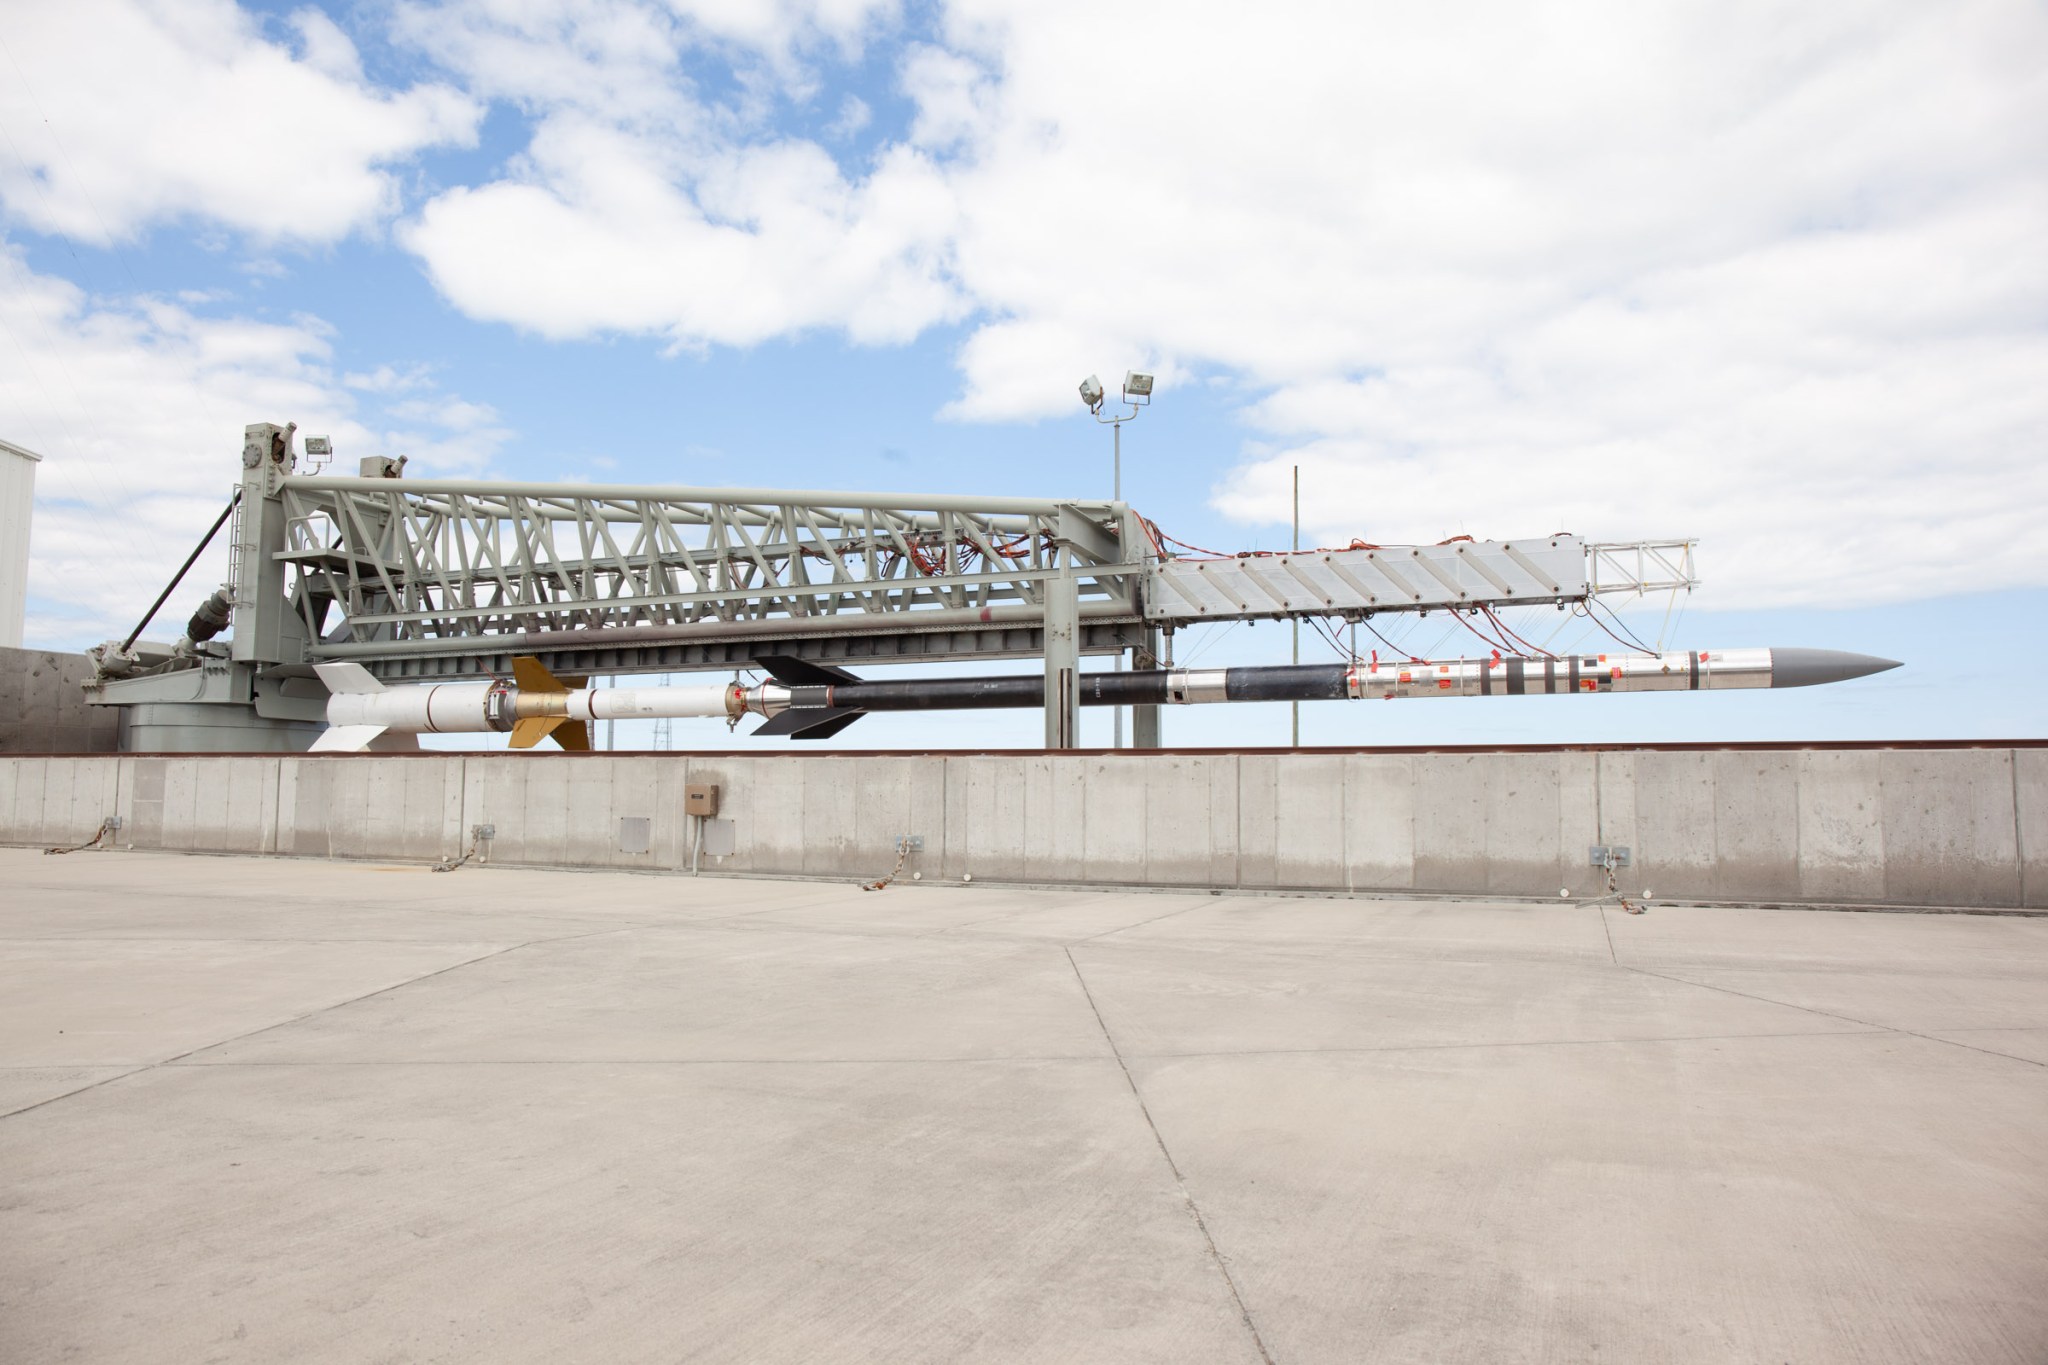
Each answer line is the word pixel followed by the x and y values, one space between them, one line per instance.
pixel 1806 667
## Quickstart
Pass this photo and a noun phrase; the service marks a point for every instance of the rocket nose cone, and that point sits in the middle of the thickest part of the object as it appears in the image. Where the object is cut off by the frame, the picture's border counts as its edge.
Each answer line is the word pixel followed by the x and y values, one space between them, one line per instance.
pixel 1807 667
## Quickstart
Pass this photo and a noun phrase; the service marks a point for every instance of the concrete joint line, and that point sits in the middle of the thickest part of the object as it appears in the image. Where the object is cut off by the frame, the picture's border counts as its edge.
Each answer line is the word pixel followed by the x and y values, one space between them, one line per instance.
pixel 340 1004
pixel 1830 1014
pixel 1179 1181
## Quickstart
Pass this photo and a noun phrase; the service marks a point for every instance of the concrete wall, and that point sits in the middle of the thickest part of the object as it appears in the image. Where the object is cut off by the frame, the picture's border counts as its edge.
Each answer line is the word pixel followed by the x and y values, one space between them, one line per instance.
pixel 1959 826
pixel 43 710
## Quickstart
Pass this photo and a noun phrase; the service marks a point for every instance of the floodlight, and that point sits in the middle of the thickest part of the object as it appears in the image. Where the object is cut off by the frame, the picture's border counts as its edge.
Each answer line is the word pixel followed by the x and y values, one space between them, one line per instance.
pixel 1091 392
pixel 319 445
pixel 1137 385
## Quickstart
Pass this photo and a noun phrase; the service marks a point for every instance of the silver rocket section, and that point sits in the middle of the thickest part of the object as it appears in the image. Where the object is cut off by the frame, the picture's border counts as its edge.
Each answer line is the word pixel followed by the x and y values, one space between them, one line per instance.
pixel 1691 671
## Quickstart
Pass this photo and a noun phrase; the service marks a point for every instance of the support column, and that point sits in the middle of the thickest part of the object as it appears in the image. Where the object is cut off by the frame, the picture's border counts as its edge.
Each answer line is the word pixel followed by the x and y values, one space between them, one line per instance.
pixel 1063 661
pixel 1145 719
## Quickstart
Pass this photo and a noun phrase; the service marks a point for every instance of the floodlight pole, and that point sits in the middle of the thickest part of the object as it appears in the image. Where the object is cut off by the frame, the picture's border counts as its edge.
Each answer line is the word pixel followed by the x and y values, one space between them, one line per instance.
pixel 1116 446
pixel 1295 707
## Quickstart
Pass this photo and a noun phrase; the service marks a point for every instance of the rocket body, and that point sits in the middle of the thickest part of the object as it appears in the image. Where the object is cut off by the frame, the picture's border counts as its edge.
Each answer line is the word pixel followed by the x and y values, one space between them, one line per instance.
pixel 813 701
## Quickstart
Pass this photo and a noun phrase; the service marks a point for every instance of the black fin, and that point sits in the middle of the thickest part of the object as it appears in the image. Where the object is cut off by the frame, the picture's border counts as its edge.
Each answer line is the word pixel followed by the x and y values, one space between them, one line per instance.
pixel 810 722
pixel 791 672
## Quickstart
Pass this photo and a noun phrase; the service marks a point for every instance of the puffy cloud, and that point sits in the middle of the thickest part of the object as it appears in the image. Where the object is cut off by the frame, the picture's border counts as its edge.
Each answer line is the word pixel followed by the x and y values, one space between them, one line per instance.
pixel 137 407
pixel 1771 277
pixel 1766 275
pixel 125 112
pixel 645 205
pixel 763 241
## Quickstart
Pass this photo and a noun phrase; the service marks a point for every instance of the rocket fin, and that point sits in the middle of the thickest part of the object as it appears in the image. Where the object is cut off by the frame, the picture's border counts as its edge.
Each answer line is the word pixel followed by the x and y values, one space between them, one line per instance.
pixel 532 676
pixel 348 678
pixel 792 672
pixel 528 731
pixel 573 735
pixel 346 739
pixel 811 722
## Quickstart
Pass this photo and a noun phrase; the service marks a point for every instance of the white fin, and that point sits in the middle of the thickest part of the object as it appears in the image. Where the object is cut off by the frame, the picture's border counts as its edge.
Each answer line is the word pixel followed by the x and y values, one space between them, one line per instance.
pixel 346 739
pixel 348 678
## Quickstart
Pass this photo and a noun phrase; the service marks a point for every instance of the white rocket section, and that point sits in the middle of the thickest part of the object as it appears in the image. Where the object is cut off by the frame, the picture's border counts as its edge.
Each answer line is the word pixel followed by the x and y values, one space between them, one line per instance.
pixel 360 708
pixel 649 703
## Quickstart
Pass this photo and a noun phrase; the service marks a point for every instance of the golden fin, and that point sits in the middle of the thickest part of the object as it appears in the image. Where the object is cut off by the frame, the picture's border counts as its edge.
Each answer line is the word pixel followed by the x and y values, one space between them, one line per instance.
pixel 573 734
pixel 531 730
pixel 533 676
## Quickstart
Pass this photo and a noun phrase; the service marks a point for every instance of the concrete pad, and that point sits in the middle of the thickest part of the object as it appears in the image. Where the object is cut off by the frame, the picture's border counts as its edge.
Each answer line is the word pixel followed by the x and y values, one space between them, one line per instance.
pixel 883 1212
pixel 1683 935
pixel 1175 1000
pixel 2028 1044
pixel 1919 1001
pixel 715 994
pixel 1076 919
pixel 22 1086
pixel 750 1120
pixel 906 907
pixel 1846 1198
pixel 179 896
pixel 1475 929
pixel 102 1002
pixel 993 912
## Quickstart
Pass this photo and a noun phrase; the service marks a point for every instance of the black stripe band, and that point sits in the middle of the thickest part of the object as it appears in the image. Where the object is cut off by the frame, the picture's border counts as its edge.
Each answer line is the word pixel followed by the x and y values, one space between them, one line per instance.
pixel 1517 684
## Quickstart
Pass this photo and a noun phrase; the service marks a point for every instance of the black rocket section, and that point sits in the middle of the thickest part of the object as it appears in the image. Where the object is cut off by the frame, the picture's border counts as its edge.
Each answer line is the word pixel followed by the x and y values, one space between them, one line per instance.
pixel 824 700
pixel 1288 682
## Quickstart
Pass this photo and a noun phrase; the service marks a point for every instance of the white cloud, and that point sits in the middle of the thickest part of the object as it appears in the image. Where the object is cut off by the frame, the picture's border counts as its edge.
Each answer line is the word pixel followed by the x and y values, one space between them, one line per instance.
pixel 121 113
pixel 137 407
pixel 767 240
pixel 854 115
pixel 1767 275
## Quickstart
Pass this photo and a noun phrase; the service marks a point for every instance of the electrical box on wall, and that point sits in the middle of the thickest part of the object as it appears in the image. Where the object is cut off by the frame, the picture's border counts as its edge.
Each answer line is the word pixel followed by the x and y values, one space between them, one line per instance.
pixel 700 798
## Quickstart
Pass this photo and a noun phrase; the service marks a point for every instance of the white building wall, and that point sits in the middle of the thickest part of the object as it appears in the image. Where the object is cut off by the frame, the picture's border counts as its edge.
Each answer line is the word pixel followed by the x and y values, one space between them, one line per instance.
pixel 17 504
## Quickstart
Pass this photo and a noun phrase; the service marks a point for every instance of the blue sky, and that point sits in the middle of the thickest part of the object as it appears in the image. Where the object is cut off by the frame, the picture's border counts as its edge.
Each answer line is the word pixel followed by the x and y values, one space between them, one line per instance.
pixel 1771 279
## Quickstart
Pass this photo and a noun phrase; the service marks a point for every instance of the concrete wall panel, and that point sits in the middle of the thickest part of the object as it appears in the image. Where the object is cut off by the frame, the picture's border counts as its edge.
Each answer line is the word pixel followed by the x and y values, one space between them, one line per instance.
pixel 1308 812
pixel 1379 821
pixel 10 784
pixel 1965 826
pixel 634 793
pixel 2030 819
pixel 308 781
pixel 43 708
pixel 1258 814
pixel 983 822
pixel 1841 826
pixel 1179 847
pixel 831 792
pixel 1950 832
pixel 1581 808
pixel 1674 801
pixel 1224 777
pixel 25 806
pixel 1520 793
pixel 1113 838
pixel 1756 824
pixel 1055 817
pixel 901 797
pixel 1450 822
